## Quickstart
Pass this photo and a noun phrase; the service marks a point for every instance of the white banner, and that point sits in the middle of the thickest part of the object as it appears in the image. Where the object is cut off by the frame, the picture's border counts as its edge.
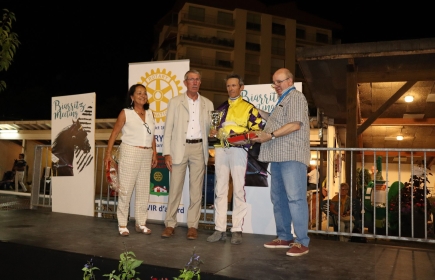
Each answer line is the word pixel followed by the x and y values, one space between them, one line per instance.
pixel 163 80
pixel 263 96
pixel 73 153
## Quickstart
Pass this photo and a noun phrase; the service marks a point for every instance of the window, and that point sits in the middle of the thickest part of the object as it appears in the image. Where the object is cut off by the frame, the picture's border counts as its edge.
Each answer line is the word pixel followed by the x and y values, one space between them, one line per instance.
pixel 196 13
pixel 278 46
pixel 278 29
pixel 225 18
pixel 251 79
pixel 276 64
pixel 224 39
pixel 223 59
pixel 194 54
pixel 253 22
pixel 252 63
pixel 219 80
pixel 322 38
pixel 253 42
pixel 195 31
pixel 300 33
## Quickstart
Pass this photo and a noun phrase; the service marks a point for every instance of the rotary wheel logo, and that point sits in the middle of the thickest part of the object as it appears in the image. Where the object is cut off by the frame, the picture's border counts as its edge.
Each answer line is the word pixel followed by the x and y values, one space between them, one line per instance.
pixel 162 87
pixel 158 176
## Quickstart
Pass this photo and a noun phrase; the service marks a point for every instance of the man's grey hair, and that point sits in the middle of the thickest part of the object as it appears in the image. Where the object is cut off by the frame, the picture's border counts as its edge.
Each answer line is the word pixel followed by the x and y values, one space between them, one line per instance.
pixel 192 71
pixel 235 76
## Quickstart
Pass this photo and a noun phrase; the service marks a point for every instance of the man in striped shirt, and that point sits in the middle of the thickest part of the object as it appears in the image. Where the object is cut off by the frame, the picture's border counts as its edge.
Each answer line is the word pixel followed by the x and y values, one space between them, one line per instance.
pixel 286 145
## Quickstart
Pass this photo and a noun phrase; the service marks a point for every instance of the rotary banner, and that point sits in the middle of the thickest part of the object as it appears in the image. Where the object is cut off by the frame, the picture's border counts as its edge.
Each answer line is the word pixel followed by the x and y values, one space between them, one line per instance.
pixel 163 80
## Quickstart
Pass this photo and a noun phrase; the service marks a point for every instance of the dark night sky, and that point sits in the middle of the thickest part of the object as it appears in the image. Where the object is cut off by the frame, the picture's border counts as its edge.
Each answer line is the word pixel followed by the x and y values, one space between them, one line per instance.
pixel 68 47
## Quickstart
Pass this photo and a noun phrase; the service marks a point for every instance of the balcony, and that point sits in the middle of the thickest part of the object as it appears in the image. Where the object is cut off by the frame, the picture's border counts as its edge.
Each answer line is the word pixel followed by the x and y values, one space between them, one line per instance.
pixel 278 29
pixel 253 26
pixel 213 84
pixel 251 67
pixel 253 46
pixel 203 61
pixel 208 20
pixel 215 41
pixel 278 51
pixel 314 40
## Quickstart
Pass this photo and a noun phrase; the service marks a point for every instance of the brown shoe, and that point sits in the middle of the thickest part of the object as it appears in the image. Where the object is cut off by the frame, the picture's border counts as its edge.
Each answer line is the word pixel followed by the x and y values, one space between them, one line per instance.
pixel 192 233
pixel 168 232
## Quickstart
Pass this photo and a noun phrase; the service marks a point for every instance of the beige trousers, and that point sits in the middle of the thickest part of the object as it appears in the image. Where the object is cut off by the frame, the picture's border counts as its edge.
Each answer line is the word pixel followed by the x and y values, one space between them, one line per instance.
pixel 134 172
pixel 194 159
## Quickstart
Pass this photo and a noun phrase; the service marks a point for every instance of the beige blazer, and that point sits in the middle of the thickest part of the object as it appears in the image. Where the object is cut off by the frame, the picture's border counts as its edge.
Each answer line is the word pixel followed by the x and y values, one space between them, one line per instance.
pixel 177 119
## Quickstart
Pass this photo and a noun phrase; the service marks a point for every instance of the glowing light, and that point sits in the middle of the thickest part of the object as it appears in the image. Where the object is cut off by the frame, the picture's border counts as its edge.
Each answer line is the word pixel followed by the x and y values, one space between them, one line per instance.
pixel 10 131
pixel 409 98
pixel 399 137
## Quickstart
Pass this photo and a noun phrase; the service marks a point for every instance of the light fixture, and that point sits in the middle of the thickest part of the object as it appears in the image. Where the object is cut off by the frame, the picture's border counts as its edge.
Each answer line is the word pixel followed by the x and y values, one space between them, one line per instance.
pixel 409 98
pixel 400 136
pixel 9 131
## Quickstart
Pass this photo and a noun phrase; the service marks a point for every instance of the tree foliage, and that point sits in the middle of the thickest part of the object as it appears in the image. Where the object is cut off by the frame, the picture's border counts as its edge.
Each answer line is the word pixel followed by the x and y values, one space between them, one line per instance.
pixel 8 43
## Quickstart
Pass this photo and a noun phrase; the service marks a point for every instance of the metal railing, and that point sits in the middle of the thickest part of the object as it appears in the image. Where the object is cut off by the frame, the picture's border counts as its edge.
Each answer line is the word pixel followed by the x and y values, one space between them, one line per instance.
pixel 208 19
pixel 212 40
pixel 399 206
pixel 385 204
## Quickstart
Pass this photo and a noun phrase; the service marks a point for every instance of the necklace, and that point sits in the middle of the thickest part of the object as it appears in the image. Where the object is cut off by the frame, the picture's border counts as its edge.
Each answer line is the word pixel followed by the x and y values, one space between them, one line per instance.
pixel 139 113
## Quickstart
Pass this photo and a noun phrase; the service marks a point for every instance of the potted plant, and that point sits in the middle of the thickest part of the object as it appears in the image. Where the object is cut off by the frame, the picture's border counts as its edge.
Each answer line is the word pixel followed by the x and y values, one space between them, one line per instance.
pixel 412 200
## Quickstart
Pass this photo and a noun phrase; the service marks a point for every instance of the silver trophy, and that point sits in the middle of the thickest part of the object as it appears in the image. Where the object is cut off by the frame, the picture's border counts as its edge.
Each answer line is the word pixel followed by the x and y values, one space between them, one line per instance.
pixel 216 117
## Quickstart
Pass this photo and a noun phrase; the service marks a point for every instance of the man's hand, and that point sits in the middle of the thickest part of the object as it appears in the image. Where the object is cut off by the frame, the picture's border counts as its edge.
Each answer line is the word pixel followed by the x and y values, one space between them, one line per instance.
pixel 168 162
pixel 262 137
pixel 154 161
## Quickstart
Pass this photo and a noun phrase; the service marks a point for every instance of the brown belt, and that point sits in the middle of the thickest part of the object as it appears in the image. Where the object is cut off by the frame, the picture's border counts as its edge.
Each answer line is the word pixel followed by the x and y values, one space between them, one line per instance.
pixel 140 147
pixel 193 141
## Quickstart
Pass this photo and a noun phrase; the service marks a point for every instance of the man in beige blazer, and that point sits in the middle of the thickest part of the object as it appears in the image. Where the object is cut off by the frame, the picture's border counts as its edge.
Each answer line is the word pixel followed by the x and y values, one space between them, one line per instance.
pixel 185 144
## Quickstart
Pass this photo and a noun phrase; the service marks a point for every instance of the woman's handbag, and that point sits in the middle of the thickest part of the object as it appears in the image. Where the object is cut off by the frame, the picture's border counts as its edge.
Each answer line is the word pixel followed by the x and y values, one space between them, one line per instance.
pixel 112 172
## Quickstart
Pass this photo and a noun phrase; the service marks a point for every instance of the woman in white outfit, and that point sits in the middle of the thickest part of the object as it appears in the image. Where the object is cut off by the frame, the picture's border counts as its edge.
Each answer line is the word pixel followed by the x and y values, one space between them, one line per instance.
pixel 137 156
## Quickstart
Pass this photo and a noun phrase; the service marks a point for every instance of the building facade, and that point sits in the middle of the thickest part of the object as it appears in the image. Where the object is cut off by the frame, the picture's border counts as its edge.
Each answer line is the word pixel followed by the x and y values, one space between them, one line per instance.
pixel 226 36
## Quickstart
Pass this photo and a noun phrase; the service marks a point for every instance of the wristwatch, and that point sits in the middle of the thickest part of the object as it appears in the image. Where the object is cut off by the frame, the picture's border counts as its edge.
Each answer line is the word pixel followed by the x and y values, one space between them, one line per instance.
pixel 273 136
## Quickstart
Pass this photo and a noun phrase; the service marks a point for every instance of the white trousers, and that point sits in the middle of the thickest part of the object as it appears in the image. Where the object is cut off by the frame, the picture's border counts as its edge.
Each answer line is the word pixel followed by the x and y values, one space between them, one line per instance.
pixel 134 172
pixel 19 177
pixel 230 160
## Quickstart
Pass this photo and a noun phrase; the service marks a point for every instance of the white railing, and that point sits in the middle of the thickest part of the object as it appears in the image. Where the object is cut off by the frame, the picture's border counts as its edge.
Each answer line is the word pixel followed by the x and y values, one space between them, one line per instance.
pixel 383 205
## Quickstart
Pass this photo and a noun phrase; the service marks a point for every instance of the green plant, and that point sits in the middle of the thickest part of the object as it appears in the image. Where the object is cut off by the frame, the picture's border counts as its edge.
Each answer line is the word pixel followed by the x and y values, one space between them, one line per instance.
pixel 432 204
pixel 127 267
pixel 8 43
pixel 89 271
pixel 128 264
pixel 191 269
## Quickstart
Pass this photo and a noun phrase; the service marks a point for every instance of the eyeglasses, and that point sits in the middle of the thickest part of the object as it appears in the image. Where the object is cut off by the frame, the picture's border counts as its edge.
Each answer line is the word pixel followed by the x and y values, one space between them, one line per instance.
pixel 277 83
pixel 193 80
pixel 147 127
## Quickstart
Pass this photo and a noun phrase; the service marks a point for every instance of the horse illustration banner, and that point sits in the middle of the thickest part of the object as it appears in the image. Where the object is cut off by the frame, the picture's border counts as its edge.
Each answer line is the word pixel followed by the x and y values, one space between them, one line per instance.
pixel 163 80
pixel 73 153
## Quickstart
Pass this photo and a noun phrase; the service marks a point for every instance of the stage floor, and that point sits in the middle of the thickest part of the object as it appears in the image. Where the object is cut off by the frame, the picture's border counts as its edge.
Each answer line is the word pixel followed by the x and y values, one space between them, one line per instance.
pixel 39 244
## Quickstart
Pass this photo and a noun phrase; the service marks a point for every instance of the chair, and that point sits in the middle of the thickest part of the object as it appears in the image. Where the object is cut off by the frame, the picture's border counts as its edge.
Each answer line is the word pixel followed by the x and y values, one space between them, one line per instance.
pixel 332 219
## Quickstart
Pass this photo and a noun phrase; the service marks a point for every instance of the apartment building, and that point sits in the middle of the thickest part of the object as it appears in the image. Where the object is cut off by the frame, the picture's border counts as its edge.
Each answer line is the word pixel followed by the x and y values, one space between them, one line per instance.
pixel 248 38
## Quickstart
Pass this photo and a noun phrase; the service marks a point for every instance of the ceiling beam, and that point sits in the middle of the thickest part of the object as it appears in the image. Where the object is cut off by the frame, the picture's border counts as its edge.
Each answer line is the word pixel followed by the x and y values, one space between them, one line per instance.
pixel 385 106
pixel 402 121
pixel 396 76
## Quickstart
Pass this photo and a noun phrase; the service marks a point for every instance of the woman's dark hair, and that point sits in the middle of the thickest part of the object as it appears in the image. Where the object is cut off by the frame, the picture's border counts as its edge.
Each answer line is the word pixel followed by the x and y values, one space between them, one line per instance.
pixel 131 91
